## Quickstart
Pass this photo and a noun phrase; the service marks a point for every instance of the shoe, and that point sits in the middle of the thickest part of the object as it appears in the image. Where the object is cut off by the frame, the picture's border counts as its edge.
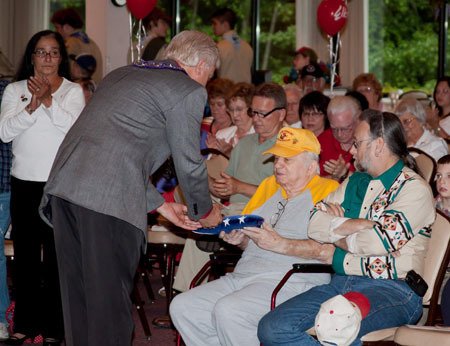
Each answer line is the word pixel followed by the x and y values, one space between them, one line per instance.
pixel 51 342
pixel 15 339
pixel 163 322
pixel 3 331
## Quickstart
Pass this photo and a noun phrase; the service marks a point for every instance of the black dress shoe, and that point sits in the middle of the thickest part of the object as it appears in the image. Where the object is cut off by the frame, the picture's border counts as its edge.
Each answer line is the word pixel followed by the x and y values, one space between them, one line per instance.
pixel 15 340
pixel 51 342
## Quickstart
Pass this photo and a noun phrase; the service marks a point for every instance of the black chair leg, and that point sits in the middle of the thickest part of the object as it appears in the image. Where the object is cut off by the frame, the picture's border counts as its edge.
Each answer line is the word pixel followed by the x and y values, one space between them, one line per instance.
pixel 139 304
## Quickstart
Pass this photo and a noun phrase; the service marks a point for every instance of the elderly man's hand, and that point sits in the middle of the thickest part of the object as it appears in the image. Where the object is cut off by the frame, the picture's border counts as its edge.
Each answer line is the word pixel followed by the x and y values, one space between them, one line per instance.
pixel 266 238
pixel 225 186
pixel 235 237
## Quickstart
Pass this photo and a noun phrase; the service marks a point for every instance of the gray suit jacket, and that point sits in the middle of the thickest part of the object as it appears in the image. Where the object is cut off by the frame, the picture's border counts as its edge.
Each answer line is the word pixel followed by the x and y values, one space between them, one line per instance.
pixel 135 120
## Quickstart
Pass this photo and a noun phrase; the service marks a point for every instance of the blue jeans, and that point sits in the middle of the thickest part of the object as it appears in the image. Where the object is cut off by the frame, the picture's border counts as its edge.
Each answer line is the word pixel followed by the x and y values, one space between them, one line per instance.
pixel 4 224
pixel 392 303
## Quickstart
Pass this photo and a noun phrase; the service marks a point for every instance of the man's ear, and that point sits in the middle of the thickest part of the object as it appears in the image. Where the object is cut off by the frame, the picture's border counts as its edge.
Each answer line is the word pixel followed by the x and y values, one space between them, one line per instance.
pixel 282 114
pixel 379 146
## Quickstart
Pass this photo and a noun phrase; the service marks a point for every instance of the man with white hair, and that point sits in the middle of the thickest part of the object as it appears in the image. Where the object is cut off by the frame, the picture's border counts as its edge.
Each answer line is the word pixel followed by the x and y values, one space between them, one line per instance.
pixel 227 311
pixel 336 161
pixel 99 192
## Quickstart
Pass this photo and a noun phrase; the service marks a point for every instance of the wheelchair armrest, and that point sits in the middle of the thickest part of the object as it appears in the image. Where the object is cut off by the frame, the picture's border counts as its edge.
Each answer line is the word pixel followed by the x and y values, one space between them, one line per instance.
pixel 216 266
pixel 225 257
pixel 299 268
pixel 312 268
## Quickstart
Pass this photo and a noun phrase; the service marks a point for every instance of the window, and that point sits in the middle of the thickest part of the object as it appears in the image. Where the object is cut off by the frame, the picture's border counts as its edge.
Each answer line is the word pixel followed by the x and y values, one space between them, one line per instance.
pixel 403 43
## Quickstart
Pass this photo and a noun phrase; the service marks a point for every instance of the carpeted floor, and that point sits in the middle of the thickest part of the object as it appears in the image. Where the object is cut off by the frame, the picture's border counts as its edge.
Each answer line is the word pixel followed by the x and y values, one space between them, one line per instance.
pixel 152 309
pixel 159 336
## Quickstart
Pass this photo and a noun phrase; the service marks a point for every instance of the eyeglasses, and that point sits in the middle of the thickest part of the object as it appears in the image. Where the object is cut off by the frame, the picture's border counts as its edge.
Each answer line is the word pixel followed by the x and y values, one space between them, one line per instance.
pixel 344 130
pixel 440 176
pixel 442 91
pixel 357 144
pixel 312 114
pixel 42 53
pixel 236 110
pixel 364 89
pixel 406 122
pixel 277 216
pixel 251 113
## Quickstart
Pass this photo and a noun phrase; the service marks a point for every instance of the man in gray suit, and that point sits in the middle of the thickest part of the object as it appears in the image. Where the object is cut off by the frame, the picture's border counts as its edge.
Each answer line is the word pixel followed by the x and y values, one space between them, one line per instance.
pixel 98 193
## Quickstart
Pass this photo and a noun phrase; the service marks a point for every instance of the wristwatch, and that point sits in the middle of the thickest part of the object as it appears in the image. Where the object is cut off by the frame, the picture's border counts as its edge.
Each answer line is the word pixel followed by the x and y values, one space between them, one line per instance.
pixel 119 3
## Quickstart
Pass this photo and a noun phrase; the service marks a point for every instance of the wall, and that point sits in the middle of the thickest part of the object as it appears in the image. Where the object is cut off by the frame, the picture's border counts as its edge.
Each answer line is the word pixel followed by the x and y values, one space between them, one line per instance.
pixel 108 26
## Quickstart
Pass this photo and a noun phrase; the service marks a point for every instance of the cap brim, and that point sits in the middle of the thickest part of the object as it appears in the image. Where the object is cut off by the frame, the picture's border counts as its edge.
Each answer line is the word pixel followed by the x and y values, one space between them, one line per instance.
pixel 282 151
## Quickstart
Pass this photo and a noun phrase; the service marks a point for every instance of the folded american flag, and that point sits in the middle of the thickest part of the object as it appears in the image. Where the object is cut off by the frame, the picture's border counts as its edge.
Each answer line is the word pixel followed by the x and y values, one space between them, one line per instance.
pixel 231 223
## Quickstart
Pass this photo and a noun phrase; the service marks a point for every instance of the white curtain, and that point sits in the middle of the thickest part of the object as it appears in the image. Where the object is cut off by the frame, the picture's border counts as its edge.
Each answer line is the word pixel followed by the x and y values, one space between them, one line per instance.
pixel 19 20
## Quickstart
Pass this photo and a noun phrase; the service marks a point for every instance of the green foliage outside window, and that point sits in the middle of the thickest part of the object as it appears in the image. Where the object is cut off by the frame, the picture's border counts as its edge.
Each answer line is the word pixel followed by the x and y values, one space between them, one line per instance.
pixel 403 43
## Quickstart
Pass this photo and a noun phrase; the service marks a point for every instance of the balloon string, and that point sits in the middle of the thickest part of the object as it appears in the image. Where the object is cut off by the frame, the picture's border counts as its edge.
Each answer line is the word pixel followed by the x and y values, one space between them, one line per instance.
pixel 334 54
pixel 131 37
pixel 139 40
pixel 333 66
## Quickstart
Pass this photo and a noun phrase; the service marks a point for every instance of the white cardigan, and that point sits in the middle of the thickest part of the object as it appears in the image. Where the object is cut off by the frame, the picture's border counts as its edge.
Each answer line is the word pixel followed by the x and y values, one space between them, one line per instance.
pixel 36 137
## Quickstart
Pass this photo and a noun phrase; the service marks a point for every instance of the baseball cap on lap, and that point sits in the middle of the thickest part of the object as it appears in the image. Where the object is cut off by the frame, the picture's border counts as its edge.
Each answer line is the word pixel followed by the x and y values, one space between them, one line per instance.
pixel 291 142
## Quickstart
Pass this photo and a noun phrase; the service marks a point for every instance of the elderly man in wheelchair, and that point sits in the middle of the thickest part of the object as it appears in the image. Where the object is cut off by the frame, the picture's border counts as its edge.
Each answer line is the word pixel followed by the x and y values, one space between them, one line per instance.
pixel 227 311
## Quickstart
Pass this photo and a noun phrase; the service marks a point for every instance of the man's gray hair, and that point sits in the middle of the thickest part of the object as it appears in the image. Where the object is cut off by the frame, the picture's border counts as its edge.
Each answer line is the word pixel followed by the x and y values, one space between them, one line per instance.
pixel 310 158
pixel 189 47
pixel 412 106
pixel 339 104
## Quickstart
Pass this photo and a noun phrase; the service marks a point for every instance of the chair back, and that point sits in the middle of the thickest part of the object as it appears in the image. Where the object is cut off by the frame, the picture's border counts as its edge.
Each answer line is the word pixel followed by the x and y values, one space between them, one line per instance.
pixel 414 94
pixel 427 165
pixel 216 164
pixel 437 257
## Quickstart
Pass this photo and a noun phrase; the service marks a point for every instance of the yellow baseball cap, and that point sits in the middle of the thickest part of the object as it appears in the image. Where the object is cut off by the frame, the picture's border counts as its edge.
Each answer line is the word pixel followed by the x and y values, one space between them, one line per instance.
pixel 291 142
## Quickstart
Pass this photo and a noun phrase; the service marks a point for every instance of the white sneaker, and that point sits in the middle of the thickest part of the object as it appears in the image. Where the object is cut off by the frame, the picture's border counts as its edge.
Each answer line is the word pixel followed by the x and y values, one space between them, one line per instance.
pixel 4 331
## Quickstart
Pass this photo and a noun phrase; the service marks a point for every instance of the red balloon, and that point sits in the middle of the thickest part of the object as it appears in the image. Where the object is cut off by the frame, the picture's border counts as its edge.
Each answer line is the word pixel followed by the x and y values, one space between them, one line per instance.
pixel 140 8
pixel 332 16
